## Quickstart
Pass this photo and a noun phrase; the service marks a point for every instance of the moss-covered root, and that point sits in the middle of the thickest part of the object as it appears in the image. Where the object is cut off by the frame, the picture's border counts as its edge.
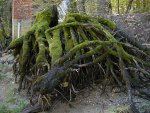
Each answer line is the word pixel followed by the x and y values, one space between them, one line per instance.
pixel 68 39
pixel 17 42
pixel 3 35
pixel 126 78
pixel 55 46
pixel 85 44
pixel 46 83
pixel 32 47
pixel 86 18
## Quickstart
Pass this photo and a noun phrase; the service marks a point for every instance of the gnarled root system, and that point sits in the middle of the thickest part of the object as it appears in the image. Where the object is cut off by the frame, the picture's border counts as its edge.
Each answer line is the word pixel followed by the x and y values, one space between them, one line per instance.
pixel 57 58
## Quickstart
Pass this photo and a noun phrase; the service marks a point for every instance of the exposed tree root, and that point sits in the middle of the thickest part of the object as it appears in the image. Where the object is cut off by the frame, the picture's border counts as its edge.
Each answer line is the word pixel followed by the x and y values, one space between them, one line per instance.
pixel 63 57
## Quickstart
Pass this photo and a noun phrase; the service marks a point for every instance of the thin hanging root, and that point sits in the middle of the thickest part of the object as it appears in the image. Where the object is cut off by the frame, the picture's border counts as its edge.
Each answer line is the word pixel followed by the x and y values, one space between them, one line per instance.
pixel 82 34
pixel 95 61
pixel 73 36
pixel 138 68
pixel 46 99
pixel 114 76
pixel 108 23
pixel 135 48
pixel 126 78
pixel 18 42
pixel 64 25
pixel 25 54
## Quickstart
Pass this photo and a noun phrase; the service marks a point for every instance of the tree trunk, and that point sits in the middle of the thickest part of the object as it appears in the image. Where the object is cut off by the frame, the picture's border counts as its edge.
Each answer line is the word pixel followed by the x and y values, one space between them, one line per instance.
pixel 81 6
pixel 118 7
pixel 103 7
pixel 129 6
pixel 2 36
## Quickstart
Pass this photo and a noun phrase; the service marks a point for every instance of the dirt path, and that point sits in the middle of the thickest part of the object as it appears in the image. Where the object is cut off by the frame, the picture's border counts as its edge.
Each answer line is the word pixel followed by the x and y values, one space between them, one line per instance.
pixel 91 101
pixel 10 100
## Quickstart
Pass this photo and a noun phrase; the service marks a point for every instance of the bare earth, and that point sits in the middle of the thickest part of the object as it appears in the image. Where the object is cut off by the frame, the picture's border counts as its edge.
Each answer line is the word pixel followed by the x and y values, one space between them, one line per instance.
pixel 91 101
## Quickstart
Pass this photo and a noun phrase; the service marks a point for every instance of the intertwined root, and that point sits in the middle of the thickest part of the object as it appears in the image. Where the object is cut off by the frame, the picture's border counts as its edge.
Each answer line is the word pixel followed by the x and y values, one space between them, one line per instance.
pixel 78 50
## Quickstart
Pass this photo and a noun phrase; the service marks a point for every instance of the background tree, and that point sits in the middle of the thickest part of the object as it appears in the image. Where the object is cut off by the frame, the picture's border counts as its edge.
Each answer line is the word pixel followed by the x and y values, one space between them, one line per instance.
pixel 5 14
pixel 5 23
pixel 129 6
pixel 81 6
pixel 103 7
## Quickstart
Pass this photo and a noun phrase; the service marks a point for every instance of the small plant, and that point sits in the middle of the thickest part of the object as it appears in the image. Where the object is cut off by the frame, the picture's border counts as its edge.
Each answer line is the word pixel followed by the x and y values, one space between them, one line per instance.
pixel 119 109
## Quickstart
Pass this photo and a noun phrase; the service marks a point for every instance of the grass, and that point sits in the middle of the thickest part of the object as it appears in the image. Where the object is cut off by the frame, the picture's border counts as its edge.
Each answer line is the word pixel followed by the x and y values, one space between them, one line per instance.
pixel 12 102
pixel 119 109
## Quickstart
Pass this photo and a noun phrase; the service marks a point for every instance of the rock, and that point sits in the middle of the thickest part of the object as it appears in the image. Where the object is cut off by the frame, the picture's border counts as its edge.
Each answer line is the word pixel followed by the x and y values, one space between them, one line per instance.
pixel 1 61
pixel 7 59
pixel 10 59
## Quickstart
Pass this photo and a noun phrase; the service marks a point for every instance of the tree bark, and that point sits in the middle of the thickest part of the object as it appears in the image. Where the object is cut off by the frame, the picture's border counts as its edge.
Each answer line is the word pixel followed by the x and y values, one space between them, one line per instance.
pixel 129 6
pixel 81 6
pixel 103 7
pixel 2 35
pixel 118 7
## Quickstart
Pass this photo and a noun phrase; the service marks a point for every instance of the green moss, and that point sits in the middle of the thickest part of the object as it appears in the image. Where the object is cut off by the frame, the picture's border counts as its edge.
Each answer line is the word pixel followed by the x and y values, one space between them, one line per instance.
pixel 86 18
pixel 73 36
pixel 55 46
pixel 1 36
pixel 93 35
pixel 108 23
pixel 38 80
pixel 17 42
pixel 82 34
pixel 80 46
pixel 25 53
pixel 69 19
pixel 68 39
pixel 63 25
